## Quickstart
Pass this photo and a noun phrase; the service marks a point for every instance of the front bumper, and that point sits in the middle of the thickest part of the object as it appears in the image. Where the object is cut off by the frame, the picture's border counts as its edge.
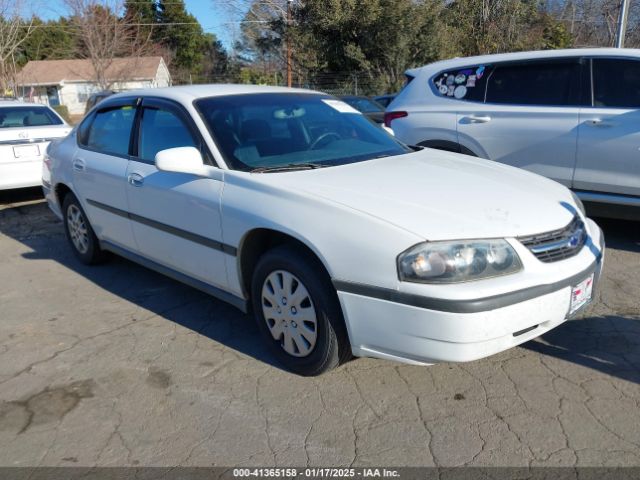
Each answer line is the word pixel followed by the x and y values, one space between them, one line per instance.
pixel 422 330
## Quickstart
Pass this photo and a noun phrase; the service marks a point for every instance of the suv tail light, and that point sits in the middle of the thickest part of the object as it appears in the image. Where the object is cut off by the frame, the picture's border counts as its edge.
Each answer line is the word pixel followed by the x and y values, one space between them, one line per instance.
pixel 391 116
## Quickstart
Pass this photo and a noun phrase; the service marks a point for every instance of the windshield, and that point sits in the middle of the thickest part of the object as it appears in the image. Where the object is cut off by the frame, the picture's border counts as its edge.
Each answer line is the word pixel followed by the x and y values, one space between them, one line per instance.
pixel 364 104
pixel 27 117
pixel 271 130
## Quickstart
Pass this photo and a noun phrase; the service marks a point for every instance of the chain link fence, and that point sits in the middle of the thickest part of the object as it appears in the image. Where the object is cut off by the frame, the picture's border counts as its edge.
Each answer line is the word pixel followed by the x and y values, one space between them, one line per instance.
pixel 331 83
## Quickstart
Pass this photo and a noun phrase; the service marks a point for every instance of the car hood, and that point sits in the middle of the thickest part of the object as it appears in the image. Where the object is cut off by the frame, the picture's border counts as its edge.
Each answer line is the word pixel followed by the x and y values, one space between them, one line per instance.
pixel 439 195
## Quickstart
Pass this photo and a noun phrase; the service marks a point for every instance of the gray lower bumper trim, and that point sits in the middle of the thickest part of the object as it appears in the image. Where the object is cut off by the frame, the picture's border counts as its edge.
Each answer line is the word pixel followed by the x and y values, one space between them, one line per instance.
pixel 484 304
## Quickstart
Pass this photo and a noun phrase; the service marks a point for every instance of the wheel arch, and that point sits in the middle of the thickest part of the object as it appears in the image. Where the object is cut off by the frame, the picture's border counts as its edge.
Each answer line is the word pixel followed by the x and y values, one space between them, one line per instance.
pixel 259 240
pixel 61 190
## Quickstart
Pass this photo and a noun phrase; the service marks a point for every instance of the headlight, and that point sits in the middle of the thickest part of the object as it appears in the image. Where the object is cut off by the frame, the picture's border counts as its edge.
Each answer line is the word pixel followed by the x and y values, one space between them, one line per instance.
pixel 458 261
pixel 579 203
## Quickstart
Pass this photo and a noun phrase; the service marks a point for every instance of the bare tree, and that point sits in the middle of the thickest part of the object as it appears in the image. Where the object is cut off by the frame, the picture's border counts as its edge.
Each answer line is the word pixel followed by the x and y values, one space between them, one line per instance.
pixel 13 31
pixel 104 35
pixel 250 20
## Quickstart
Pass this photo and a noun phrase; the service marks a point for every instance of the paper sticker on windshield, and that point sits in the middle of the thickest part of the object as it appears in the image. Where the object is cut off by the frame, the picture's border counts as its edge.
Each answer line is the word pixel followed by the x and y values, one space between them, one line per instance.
pixel 340 106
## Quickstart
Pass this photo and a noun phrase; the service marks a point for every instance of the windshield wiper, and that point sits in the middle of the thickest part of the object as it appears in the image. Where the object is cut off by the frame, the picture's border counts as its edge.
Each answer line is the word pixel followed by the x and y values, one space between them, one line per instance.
pixel 288 167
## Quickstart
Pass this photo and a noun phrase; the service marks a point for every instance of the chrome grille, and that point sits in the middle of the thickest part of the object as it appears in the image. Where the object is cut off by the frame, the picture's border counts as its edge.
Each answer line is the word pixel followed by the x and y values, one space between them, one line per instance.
pixel 558 244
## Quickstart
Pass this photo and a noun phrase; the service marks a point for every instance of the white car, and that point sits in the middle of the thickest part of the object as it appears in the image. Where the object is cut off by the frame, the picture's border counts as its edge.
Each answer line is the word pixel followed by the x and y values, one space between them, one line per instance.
pixel 570 115
pixel 25 132
pixel 340 240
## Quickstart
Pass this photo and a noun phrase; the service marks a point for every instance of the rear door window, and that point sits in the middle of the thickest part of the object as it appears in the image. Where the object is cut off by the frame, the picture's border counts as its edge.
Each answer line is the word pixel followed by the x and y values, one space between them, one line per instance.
pixel 547 83
pixel 616 83
pixel 466 83
pixel 110 130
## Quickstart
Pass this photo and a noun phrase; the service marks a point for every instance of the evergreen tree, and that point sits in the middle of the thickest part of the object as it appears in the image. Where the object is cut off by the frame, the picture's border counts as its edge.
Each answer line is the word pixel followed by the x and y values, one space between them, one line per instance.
pixel 144 12
pixel 49 40
pixel 183 35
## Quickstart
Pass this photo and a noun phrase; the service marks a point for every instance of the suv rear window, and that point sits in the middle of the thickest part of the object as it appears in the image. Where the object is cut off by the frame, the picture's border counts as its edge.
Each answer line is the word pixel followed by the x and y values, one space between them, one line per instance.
pixel 466 83
pixel 535 83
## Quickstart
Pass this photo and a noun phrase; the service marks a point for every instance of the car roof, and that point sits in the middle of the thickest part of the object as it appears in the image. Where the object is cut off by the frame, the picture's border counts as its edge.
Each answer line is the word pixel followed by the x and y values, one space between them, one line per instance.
pixel 17 103
pixel 531 55
pixel 188 93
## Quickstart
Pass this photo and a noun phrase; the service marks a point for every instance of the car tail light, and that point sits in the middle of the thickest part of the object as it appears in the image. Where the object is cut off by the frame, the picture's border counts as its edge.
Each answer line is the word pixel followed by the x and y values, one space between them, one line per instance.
pixel 391 116
pixel 47 161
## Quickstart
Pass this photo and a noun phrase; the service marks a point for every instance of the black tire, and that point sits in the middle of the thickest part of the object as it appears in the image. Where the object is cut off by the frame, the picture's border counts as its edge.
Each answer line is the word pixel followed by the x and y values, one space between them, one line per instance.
pixel 331 342
pixel 93 254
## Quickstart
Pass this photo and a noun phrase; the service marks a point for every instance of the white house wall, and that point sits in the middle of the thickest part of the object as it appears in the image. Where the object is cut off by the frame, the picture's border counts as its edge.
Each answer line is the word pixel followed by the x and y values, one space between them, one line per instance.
pixel 74 95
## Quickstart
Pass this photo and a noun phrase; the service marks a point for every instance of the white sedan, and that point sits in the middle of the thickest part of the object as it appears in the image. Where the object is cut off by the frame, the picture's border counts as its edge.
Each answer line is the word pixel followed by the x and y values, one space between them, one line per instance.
pixel 340 239
pixel 25 132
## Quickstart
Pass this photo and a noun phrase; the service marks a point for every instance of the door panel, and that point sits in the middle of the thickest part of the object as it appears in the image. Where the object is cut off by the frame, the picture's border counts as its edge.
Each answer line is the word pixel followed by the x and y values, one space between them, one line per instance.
pixel 175 216
pixel 539 139
pixel 176 221
pixel 608 158
pixel 530 116
pixel 609 151
pixel 100 170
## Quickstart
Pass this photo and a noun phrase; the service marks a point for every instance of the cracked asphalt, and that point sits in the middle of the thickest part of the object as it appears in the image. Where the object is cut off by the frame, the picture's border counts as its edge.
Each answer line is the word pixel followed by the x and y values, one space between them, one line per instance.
pixel 118 366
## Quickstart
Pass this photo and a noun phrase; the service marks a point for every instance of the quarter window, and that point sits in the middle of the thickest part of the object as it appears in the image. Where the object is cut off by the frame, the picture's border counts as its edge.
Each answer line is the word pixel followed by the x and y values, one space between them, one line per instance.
pixel 110 130
pixel 162 129
pixel 466 83
pixel 616 83
pixel 535 83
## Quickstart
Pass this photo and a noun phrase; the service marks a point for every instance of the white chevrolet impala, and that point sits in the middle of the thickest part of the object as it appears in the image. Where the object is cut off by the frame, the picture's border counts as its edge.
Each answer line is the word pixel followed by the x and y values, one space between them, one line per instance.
pixel 25 132
pixel 341 240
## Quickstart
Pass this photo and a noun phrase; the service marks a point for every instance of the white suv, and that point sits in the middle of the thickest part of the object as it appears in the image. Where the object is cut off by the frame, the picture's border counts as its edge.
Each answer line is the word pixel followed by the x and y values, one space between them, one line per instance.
pixel 570 115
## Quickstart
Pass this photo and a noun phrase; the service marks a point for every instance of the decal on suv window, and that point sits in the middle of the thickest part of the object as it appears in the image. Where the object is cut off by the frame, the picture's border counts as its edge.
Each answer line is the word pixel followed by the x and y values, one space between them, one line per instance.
pixel 466 83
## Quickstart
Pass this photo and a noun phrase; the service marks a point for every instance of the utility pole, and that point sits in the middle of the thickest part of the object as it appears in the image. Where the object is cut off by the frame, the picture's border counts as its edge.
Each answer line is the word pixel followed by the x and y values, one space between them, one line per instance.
pixel 289 82
pixel 622 23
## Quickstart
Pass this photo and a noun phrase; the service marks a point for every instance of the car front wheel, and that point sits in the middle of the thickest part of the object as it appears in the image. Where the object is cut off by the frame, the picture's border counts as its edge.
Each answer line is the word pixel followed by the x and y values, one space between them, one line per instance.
pixel 298 312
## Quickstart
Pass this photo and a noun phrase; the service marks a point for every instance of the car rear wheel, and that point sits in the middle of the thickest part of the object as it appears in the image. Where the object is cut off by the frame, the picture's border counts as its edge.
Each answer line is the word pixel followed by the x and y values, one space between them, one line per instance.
pixel 298 313
pixel 81 236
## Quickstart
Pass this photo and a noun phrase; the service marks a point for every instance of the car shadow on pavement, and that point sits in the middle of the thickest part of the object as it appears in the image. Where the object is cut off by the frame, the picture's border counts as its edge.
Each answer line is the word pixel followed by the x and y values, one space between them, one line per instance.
pixel 36 227
pixel 620 234
pixel 609 344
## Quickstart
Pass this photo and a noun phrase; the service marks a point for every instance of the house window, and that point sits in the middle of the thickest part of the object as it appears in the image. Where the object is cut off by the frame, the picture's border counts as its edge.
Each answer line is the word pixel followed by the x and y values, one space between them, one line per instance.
pixel 84 91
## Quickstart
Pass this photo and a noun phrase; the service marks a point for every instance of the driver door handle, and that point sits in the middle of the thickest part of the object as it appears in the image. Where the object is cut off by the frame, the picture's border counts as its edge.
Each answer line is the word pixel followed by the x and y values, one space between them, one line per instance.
pixel 476 119
pixel 135 179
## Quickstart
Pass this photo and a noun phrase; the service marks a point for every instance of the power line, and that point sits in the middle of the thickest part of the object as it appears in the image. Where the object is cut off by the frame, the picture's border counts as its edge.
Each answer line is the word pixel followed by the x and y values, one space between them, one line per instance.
pixel 169 24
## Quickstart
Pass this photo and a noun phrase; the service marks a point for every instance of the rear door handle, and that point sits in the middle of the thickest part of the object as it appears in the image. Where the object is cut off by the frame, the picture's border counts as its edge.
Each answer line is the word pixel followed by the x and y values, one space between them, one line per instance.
pixel 476 119
pixel 78 165
pixel 135 179
pixel 598 122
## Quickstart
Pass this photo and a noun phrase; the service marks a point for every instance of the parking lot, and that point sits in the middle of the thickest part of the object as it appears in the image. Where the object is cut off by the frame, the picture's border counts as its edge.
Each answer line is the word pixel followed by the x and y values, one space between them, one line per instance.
pixel 117 365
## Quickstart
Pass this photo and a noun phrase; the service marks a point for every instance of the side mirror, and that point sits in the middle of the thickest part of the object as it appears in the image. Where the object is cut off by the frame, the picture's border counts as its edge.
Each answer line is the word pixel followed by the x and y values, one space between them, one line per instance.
pixel 181 160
